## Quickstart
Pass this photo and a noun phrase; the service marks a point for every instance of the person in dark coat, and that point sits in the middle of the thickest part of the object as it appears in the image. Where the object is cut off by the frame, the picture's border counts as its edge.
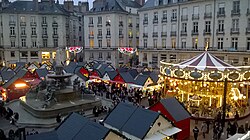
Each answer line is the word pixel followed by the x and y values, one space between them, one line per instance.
pixel 58 118
pixel 208 123
pixel 236 116
pixel 241 129
pixel 196 132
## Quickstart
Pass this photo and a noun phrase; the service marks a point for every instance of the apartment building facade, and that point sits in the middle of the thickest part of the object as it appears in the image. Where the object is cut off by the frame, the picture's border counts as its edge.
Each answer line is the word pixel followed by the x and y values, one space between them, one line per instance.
pixel 175 30
pixel 111 24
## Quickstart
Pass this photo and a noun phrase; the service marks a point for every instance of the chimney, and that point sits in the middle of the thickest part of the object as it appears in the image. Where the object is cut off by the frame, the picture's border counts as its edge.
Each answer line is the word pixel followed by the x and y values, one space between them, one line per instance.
pixel 35 5
pixel 69 5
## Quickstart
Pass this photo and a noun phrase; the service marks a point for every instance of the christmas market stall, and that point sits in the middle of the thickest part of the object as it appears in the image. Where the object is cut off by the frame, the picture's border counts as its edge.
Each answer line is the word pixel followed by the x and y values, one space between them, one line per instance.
pixel 207 85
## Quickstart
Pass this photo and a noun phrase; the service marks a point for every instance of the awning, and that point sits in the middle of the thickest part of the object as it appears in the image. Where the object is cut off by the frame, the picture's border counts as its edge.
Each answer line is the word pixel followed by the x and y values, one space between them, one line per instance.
pixel 236 137
pixel 170 131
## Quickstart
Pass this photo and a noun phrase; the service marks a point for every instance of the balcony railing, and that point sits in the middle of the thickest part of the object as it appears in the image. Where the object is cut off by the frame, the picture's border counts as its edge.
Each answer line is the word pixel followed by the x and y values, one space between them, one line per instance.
pixel 183 33
pixel 194 32
pixel 108 35
pixel 55 36
pixel 248 30
pixel 120 35
pixel 220 32
pixel 221 14
pixel 173 19
pixel 44 24
pixel 120 24
pixel 207 15
pixel 155 20
pixel 12 35
pixel 173 33
pixel 22 23
pixel 54 24
pixel 145 21
pixel 91 36
pixel 44 35
pixel 99 24
pixel 163 34
pixel 130 25
pixel 235 12
pixel 32 23
pixel 206 32
pixel 164 20
pixel 235 31
pixel 108 23
pixel 155 34
pixel 23 35
pixel 145 35
pixel 12 23
pixel 184 18
pixel 195 17
pixel 91 25
pixel 99 36
pixel 33 35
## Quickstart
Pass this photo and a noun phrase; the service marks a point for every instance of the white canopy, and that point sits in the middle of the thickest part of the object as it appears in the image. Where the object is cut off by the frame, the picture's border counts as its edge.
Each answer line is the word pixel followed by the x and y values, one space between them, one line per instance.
pixel 163 133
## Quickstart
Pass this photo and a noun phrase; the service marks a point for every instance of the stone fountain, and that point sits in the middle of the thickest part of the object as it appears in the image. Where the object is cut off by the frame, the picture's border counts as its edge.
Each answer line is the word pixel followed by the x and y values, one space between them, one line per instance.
pixel 58 96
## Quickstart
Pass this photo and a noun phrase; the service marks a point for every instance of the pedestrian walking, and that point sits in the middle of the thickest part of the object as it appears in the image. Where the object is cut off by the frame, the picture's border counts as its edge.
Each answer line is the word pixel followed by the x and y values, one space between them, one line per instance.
pixel 208 123
pixel 204 129
pixel 196 132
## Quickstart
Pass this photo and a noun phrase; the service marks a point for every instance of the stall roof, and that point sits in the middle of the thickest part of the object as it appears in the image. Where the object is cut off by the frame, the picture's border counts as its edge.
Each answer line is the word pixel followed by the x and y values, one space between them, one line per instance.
pixel 7 75
pixel 21 73
pixel 133 72
pixel 78 73
pixel 141 79
pixel 127 77
pixel 43 136
pixel 176 110
pixel 20 64
pixel 18 68
pixel 131 119
pixel 11 81
pixel 154 76
pixel 111 74
pixel 42 72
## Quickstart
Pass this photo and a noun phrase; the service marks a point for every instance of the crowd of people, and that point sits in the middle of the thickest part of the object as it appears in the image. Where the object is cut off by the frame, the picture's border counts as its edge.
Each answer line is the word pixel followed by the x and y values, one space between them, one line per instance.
pixel 120 93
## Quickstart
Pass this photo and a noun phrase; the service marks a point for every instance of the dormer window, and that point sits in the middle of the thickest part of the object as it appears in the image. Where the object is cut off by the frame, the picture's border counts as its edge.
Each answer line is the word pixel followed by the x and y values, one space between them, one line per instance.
pixel 165 2
pixel 156 2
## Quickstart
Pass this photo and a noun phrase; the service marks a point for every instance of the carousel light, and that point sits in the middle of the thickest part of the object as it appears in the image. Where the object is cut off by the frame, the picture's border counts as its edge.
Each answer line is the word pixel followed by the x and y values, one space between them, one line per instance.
pixel 241 85
pixel 20 85
pixel 235 98
pixel 205 85
pixel 244 97
pixel 195 87
pixel 234 84
pixel 185 83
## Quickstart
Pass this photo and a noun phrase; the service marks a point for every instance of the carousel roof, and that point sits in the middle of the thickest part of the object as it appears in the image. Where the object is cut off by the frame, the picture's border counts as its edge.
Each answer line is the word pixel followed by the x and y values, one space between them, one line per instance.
pixel 206 60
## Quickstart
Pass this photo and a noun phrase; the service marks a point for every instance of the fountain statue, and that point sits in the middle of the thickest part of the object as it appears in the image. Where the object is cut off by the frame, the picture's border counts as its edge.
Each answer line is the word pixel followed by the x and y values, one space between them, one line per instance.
pixel 59 97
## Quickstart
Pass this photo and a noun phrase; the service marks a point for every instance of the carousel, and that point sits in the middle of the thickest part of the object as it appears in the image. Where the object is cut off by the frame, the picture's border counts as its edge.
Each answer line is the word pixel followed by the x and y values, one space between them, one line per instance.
pixel 203 82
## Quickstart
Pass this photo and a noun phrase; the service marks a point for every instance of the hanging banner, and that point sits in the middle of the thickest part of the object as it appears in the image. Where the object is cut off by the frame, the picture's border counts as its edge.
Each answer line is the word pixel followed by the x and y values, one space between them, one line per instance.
pixel 127 50
pixel 76 49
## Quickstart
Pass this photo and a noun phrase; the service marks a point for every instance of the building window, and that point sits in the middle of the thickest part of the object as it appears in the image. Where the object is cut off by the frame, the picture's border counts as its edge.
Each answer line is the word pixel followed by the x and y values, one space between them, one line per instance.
pixel 207 43
pixel 183 43
pixel 45 31
pixel 145 57
pixel 80 38
pixel 24 54
pixel 12 30
pixel 130 43
pixel 22 19
pixel 145 43
pixel 208 9
pixel 100 55
pixel 174 14
pixel 23 31
pixel 99 21
pixel 44 21
pixel 207 26
pixel 33 43
pixel 129 20
pixel 235 24
pixel 195 43
pixel 173 27
pixel 221 25
pixel 109 56
pixel 100 43
pixel 137 43
pixel 120 18
pixel 12 54
pixel 120 42
pixel 165 15
pixel 221 8
pixel 164 43
pixel 55 41
pixel 154 60
pixel 91 43
pixel 12 18
pixel 99 32
pixel 184 27
pixel 184 11
pixel 248 22
pixel 33 31
pixel 34 54
pixel 155 43
pixel 173 42
pixel 155 16
pixel 220 43
pixel 234 43
pixel 23 42
pixel 55 31
pixel 80 28
pixel 236 6
pixel 108 31
pixel 120 56
pixel 90 20
pixel 45 42
pixel 108 43
pixel 195 27
pixel 248 43
pixel 12 44
pixel 155 30
pixel 163 57
pixel 91 56
pixel 145 17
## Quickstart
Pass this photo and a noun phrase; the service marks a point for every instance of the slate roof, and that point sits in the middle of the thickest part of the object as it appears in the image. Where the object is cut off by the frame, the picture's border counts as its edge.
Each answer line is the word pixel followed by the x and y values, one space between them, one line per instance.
pixel 79 74
pixel 141 79
pixel 133 72
pixel 112 74
pixel 113 5
pixel 10 81
pixel 101 69
pixel 176 110
pixel 43 136
pixel 41 72
pixel 154 76
pixel 7 75
pixel 127 77
pixel 21 73
pixel 20 64
pixel 29 7
pixel 70 68
pixel 131 119
pixel 18 68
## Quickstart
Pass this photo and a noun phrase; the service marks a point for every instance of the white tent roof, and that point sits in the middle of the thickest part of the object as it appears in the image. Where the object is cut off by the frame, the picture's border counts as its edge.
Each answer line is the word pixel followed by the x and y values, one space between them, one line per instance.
pixel 163 133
